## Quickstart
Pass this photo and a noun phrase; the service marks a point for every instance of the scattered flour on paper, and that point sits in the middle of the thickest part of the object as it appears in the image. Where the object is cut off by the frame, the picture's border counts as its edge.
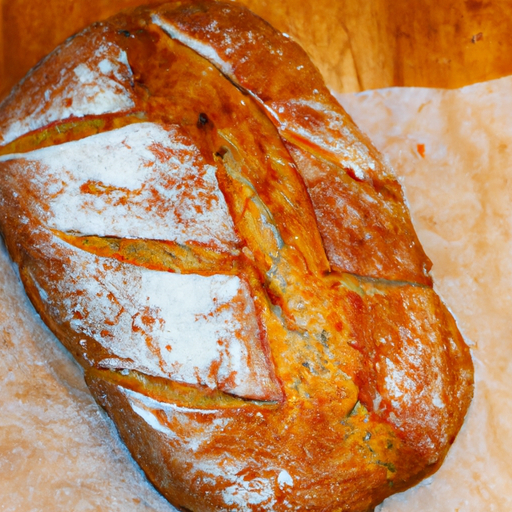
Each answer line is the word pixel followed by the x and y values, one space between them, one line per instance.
pixel 452 151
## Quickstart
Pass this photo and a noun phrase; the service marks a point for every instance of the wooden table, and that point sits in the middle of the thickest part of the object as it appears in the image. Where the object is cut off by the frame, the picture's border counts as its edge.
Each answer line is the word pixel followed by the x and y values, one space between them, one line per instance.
pixel 358 44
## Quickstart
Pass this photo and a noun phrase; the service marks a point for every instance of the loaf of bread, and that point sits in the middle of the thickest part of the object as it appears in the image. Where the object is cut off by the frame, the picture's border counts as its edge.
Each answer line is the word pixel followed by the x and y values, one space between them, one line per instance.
pixel 231 261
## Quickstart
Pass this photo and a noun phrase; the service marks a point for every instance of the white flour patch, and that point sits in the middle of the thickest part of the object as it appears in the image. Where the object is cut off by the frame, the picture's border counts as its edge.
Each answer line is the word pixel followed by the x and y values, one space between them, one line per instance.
pixel 256 491
pixel 98 85
pixel 140 181
pixel 333 136
pixel 161 416
pixel 186 327
pixel 205 50
pixel 284 479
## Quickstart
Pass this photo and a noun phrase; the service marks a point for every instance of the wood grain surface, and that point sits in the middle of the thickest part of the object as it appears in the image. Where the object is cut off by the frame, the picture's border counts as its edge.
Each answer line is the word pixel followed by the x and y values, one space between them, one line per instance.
pixel 357 45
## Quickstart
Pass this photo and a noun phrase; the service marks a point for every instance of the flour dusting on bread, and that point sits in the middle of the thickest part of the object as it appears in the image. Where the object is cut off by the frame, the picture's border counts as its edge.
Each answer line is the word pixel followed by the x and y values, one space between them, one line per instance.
pixel 98 85
pixel 141 181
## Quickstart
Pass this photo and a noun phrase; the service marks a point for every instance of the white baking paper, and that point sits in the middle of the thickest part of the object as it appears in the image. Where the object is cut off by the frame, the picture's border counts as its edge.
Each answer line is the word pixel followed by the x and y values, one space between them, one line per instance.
pixel 453 153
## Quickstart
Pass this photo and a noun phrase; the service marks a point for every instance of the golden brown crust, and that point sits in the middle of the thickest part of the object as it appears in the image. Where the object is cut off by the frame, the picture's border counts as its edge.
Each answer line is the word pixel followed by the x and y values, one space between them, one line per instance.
pixel 354 380
pixel 365 230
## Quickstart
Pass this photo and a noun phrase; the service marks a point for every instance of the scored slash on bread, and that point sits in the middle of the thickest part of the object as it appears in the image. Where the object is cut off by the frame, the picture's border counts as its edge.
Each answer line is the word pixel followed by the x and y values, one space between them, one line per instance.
pixel 232 263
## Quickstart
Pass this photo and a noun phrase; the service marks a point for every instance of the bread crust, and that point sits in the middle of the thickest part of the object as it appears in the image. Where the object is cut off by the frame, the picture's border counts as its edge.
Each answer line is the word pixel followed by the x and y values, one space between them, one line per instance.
pixel 316 369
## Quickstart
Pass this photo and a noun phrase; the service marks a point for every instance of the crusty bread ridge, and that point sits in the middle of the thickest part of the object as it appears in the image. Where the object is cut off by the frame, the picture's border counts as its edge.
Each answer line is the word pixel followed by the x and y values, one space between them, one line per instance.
pixel 232 263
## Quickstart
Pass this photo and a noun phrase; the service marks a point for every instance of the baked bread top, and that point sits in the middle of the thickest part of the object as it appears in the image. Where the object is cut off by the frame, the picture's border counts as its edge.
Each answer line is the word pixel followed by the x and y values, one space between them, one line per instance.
pixel 231 261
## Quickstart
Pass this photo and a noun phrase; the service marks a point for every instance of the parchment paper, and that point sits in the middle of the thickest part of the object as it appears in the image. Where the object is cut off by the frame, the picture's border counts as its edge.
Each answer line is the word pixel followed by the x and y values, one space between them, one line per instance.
pixel 453 153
